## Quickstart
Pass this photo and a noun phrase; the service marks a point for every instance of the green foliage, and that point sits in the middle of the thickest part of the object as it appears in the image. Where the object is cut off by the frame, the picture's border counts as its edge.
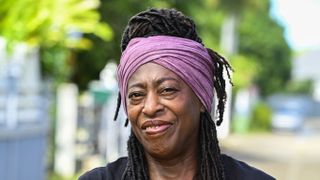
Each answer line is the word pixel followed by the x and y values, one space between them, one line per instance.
pixel 263 55
pixel 56 63
pixel 208 21
pixel 56 26
pixel 245 69
pixel 261 117
pixel 236 6
pixel 54 176
pixel 263 39
pixel 116 13
pixel 299 87
pixel 51 22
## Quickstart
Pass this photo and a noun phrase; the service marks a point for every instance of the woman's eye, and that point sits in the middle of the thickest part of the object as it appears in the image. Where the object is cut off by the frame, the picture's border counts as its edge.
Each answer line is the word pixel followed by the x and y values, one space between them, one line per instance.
pixel 135 95
pixel 169 91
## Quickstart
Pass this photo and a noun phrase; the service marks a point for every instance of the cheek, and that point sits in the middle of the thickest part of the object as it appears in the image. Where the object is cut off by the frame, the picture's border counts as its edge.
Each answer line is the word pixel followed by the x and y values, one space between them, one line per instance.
pixel 133 114
pixel 190 105
pixel 133 119
pixel 190 112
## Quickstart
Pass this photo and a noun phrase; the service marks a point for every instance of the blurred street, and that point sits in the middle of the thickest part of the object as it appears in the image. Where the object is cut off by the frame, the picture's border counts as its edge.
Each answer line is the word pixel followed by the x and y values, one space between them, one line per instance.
pixel 286 156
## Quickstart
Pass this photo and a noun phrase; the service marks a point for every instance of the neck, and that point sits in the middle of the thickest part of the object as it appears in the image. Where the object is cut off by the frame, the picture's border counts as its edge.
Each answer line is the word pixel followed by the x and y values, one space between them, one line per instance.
pixel 183 167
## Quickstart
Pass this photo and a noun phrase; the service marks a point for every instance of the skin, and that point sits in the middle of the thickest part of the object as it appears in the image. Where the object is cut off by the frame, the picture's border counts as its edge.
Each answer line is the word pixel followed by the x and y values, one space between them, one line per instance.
pixel 156 94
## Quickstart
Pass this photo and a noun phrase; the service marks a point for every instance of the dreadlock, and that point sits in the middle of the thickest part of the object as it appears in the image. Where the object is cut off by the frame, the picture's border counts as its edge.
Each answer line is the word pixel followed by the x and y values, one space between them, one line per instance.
pixel 173 23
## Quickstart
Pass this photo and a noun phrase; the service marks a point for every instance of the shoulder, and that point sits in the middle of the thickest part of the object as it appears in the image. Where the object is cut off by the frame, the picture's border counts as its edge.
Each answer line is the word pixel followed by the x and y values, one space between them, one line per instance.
pixel 113 171
pixel 235 170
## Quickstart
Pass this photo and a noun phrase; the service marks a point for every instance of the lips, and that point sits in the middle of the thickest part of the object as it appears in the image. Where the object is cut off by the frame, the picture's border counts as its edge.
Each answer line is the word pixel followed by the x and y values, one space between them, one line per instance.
pixel 153 127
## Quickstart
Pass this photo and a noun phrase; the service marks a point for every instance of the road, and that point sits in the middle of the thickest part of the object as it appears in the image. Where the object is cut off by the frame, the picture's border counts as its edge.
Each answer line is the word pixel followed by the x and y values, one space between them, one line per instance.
pixel 285 156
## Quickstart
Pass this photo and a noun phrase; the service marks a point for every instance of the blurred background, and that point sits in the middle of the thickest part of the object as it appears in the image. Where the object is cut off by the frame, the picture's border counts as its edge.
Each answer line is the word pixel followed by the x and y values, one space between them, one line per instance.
pixel 58 90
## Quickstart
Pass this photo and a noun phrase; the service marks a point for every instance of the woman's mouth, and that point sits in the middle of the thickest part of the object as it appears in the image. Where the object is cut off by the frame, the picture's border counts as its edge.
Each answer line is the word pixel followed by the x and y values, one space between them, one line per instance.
pixel 157 129
pixel 154 127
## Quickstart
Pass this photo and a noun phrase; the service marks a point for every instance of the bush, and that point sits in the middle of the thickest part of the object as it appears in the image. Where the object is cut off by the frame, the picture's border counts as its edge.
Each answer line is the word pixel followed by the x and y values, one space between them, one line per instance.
pixel 261 117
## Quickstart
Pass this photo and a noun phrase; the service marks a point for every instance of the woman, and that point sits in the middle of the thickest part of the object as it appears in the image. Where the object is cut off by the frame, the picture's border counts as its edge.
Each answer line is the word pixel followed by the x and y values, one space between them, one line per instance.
pixel 167 80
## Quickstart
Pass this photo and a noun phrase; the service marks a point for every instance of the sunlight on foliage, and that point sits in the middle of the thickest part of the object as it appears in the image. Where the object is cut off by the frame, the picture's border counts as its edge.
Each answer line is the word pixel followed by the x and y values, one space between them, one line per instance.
pixel 51 22
pixel 245 71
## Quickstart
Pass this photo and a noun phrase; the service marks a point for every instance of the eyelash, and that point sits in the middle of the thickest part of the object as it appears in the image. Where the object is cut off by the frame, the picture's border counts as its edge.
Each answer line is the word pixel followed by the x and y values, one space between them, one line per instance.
pixel 168 90
pixel 134 95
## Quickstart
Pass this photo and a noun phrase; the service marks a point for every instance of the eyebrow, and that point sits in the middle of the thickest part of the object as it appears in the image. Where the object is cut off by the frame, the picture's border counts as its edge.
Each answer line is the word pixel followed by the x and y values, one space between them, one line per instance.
pixel 139 85
pixel 158 82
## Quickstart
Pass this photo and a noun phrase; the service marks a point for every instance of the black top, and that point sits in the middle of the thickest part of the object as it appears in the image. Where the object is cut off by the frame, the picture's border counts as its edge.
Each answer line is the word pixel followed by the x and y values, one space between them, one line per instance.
pixel 234 170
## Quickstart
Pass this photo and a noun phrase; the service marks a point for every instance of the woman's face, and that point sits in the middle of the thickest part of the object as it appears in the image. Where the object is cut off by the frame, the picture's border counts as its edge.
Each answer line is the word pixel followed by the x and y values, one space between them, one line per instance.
pixel 163 110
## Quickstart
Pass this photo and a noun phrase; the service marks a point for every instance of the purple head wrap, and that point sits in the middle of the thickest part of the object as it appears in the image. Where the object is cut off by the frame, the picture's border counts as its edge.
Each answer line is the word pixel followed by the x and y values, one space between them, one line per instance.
pixel 186 58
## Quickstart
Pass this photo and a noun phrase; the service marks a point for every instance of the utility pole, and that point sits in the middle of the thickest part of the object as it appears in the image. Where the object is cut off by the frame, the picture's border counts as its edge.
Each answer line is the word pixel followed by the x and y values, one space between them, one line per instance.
pixel 229 44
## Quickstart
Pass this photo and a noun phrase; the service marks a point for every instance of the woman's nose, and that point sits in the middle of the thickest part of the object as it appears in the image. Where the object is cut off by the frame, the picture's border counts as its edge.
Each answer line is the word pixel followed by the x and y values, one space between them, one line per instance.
pixel 152 105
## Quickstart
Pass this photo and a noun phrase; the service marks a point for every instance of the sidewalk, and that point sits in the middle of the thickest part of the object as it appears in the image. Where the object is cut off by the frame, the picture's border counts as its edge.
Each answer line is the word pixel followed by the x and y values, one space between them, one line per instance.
pixel 284 156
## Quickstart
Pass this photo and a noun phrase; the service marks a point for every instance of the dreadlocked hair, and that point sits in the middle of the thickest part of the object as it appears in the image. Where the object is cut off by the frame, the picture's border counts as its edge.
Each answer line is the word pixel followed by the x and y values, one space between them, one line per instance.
pixel 210 164
pixel 173 23
pixel 137 168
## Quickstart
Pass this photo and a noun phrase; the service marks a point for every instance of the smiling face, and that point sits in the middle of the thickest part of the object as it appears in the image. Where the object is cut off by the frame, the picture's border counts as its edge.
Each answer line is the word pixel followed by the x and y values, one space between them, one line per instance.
pixel 163 110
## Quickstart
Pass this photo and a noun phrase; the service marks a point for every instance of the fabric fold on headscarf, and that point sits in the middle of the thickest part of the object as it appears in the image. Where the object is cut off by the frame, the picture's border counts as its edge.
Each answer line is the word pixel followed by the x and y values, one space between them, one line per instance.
pixel 186 58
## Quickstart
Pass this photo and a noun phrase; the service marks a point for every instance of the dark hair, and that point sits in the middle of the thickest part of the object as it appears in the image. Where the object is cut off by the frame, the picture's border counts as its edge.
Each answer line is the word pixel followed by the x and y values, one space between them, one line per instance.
pixel 173 23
